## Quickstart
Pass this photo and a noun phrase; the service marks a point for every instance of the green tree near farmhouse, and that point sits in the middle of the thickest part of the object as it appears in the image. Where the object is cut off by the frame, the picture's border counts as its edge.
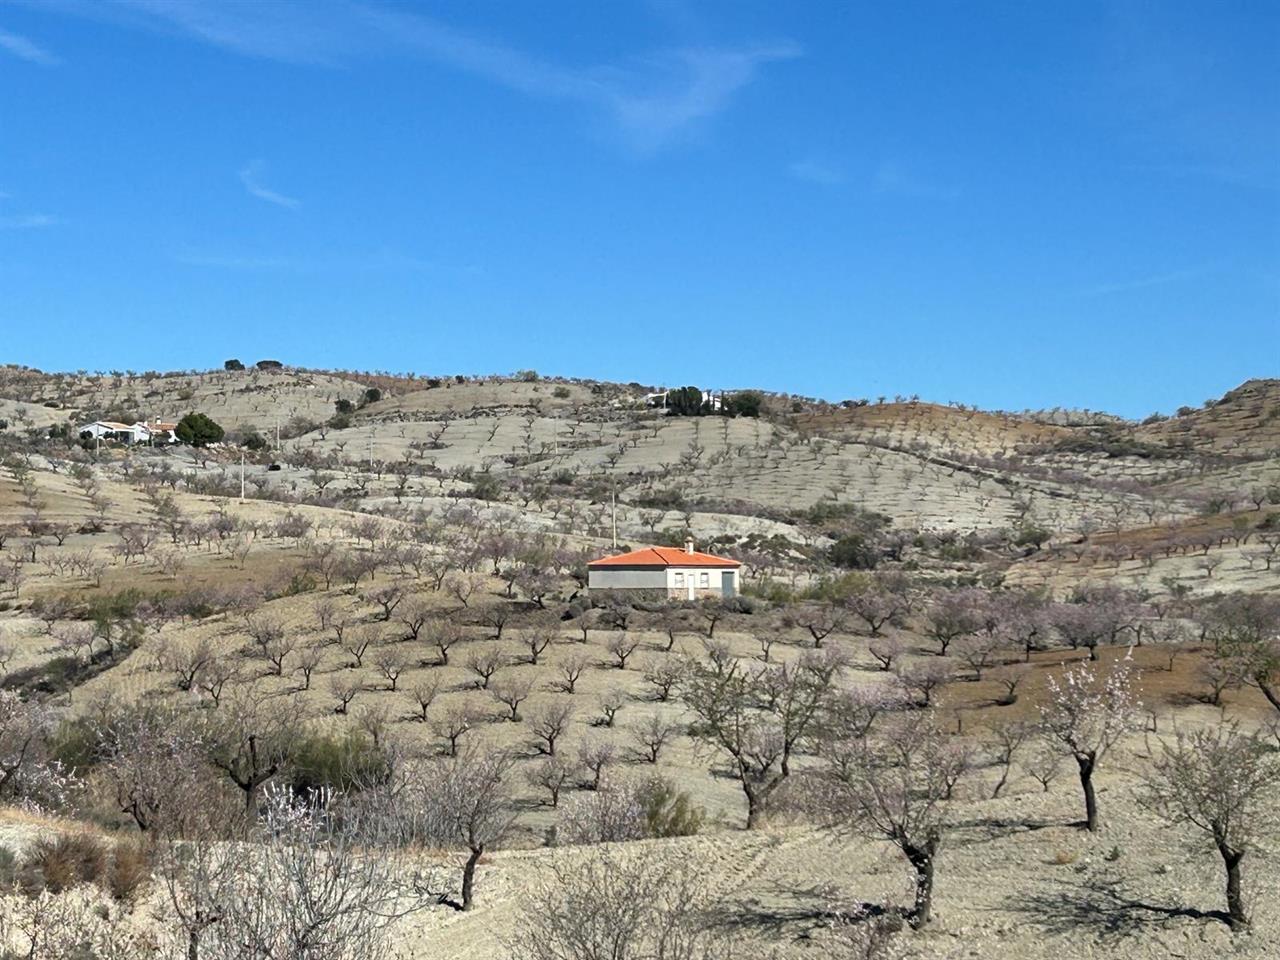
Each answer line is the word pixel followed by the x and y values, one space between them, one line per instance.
pixel 198 430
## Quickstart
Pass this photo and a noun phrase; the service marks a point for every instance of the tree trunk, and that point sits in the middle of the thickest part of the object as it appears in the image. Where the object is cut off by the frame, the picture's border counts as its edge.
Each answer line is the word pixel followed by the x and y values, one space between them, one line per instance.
pixel 1269 691
pixel 755 809
pixel 1086 764
pixel 1004 778
pixel 922 859
pixel 469 876
pixel 1237 916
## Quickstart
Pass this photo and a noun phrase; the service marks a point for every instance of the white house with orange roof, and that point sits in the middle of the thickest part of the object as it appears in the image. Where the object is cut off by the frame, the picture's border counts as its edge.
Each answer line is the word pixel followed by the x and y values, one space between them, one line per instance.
pixel 683 574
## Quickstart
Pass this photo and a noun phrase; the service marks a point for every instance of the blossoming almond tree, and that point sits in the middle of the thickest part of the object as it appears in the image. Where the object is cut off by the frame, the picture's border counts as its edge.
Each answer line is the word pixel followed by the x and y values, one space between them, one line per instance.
pixel 1089 709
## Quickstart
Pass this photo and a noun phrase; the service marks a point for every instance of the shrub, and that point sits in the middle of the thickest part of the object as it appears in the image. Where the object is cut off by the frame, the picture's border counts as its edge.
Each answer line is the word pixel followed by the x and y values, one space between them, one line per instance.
pixel 269 364
pixel 252 440
pixel 372 395
pixel 62 862
pixel 340 762
pixel 232 365
pixel 854 552
pixel 344 407
pixel 668 812
pixel 528 376
pixel 8 869
pixel 130 868
pixel 486 487
pixel 561 393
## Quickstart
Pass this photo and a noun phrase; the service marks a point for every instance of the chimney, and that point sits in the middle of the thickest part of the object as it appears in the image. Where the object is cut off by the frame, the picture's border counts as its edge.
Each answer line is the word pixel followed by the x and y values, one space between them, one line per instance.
pixel 688 544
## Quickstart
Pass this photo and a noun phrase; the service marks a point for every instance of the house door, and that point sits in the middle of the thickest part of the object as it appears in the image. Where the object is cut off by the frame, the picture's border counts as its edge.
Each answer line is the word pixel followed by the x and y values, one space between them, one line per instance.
pixel 726 584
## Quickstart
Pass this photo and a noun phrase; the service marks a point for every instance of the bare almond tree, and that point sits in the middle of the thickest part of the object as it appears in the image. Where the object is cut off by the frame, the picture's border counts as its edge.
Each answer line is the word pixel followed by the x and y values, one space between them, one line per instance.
pixel 548 723
pixel 664 673
pixel 610 702
pixel 595 755
pixel 570 670
pixel 894 786
pixel 443 635
pixel 454 723
pixel 1221 781
pixel 422 693
pixel 511 691
pixel 250 741
pixel 622 646
pixel 469 804
pixel 758 726
pixel 314 885
pixel 485 663
pixel 651 736
pixel 553 774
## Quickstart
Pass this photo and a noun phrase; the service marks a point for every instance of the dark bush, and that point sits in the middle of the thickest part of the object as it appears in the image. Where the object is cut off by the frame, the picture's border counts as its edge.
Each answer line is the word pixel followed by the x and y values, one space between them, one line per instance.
pixel 232 365
pixel 198 430
pixel 339 762
pixel 686 402
pixel 854 552
pixel 252 440
pixel 747 403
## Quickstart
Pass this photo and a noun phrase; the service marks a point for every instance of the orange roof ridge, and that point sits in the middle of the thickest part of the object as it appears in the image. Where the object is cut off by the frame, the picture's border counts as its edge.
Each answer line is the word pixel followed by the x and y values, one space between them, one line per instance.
pixel 663 557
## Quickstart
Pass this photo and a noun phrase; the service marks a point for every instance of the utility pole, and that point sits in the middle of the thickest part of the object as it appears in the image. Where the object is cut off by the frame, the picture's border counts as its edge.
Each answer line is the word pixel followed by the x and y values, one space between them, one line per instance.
pixel 371 449
pixel 613 501
pixel 241 474
pixel 277 433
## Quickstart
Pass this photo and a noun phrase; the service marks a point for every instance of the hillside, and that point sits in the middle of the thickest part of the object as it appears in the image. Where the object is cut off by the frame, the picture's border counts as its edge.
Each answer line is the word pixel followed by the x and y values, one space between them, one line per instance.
pixel 404 579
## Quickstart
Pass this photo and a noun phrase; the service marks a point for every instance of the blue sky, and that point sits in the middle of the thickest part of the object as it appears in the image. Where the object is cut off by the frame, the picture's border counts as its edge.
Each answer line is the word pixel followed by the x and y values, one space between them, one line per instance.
pixel 1010 204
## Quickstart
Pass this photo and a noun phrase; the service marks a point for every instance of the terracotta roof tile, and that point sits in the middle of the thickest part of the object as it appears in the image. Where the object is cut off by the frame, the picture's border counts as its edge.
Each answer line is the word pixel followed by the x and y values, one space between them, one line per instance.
pixel 664 557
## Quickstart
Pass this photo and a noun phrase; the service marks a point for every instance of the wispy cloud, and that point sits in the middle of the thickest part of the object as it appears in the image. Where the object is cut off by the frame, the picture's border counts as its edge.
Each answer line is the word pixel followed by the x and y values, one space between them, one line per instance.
pixel 25 49
pixel 28 221
pixel 649 99
pixel 1143 283
pixel 249 176
pixel 377 261
pixel 893 178
pixel 814 171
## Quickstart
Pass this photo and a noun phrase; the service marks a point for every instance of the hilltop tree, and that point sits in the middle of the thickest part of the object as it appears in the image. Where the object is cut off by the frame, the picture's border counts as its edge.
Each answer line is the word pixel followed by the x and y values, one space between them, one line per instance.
pixel 198 430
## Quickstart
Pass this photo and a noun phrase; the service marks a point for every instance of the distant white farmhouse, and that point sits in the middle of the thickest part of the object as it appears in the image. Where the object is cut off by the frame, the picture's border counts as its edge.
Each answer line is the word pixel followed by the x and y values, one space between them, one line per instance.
pixel 153 431
pixel 683 574
pixel 713 400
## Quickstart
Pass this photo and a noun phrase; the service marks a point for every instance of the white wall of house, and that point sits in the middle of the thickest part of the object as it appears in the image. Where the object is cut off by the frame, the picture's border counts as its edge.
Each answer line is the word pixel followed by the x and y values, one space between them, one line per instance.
pixel 100 430
pixel 693 582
